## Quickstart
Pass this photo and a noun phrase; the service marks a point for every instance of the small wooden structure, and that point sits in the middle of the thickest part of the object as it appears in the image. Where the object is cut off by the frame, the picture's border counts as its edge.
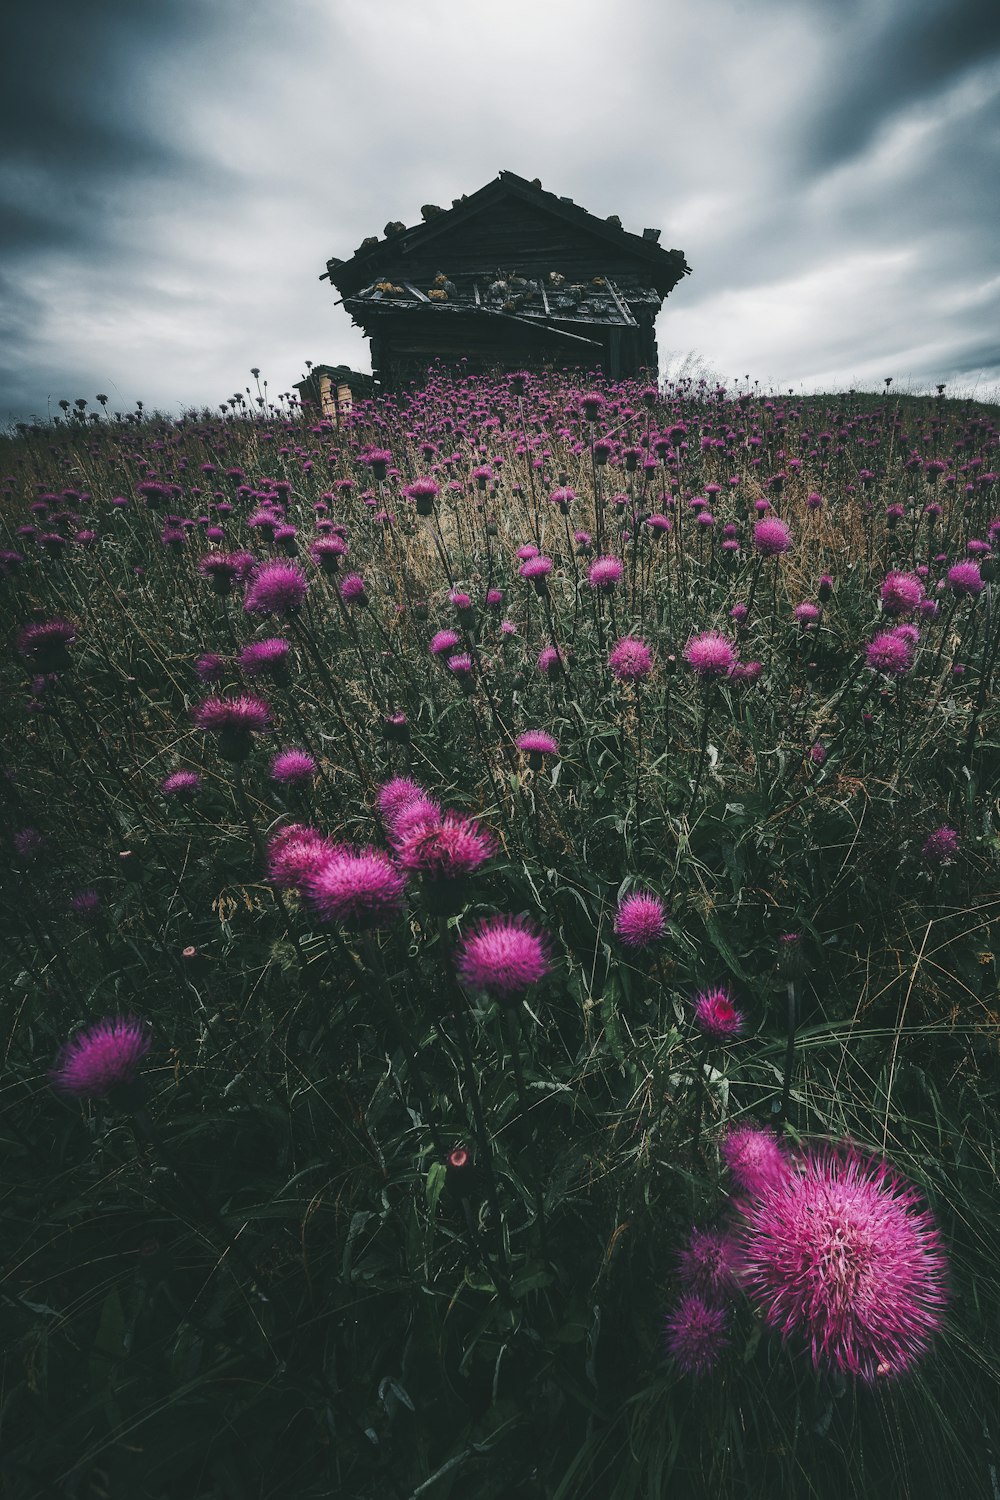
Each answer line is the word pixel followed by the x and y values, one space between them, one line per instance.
pixel 509 277
pixel 331 390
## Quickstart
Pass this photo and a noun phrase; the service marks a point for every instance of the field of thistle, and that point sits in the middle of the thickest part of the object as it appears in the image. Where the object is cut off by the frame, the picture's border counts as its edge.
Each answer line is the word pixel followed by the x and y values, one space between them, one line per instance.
pixel 499 913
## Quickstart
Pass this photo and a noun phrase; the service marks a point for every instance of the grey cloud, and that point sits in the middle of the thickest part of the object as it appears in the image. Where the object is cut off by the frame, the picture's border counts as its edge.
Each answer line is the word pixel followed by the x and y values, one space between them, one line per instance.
pixel 920 47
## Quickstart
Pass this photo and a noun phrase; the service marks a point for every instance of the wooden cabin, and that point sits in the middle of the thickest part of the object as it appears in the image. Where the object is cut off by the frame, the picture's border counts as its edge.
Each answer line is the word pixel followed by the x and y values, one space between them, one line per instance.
pixel 510 277
pixel 331 390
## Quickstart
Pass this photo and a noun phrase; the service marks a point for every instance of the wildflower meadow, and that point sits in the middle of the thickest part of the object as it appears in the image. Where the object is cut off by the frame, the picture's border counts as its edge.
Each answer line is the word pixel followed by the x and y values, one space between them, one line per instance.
pixel 499 908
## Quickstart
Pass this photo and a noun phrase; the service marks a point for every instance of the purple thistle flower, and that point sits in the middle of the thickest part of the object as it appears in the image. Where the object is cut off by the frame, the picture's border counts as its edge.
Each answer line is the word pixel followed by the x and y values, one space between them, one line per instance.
pixel 444 642
pixel 443 848
pixel 276 588
pixel 708 1264
pixel 710 655
pixel 423 493
pixel 630 659
pixel 43 645
pixel 361 889
pixel 503 956
pixel 754 1157
pixel 29 843
pixel 696 1335
pixel 890 653
pixel 901 593
pixel 807 614
pixel 210 667
pixel 353 589
pixel 716 1016
pixel 294 854
pixel 244 714
pixel 843 1258
pixel 536 743
pixel 641 919
pixel 396 795
pixel 102 1058
pixel 965 579
pixel 771 537
pixel 181 784
pixel 326 552
pixel 534 568
pixel 941 846
pixel 265 658
pixel 86 904
pixel 293 768
pixel 605 572
pixel 551 663
pixel 224 569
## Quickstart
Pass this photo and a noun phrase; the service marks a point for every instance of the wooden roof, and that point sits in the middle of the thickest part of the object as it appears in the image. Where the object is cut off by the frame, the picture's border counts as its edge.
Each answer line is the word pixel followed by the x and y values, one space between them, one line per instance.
pixel 607 241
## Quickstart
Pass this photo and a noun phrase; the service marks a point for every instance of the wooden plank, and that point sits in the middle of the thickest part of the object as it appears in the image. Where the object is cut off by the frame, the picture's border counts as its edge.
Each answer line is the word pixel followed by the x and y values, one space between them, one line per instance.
pixel 627 317
pixel 416 292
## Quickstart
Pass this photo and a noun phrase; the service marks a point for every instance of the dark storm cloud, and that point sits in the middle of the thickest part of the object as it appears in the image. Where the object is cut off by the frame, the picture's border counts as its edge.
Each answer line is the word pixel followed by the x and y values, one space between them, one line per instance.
pixel 75 126
pixel 885 59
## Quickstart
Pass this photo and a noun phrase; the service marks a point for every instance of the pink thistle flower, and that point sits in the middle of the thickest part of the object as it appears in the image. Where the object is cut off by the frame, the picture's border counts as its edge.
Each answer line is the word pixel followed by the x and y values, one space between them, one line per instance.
pixel 708 1265
pixel 941 846
pixel 243 714
pixel 181 784
pixel 396 795
pixel 771 537
pixel 444 642
pixel 807 614
pixel 535 567
pixel 353 589
pixel 641 919
pixel 965 579
pixel 901 593
pixel 422 809
pixel 536 743
pixel 265 658
pixel 210 667
pixel 890 653
pixel 503 956
pixel 362 889
pixel 102 1058
pixel 843 1258
pixel 716 1016
pixel 605 572
pixel 754 1156
pixel 451 847
pixel 551 663
pixel 630 659
pixel 43 645
pixel 224 569
pixel 293 768
pixel 326 552
pixel 423 493
pixel 276 588
pixel 294 854
pixel 696 1335
pixel 710 654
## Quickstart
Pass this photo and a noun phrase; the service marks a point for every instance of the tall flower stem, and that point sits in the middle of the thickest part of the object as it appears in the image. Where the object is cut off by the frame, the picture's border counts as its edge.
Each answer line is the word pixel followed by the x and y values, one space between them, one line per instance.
pixel 513 1033
pixel 786 1080
pixel 703 747
pixel 483 1137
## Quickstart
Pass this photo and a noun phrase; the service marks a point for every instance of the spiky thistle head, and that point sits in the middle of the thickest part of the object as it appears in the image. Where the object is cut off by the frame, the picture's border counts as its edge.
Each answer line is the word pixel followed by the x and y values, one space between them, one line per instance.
pixel 101 1058
pixel 843 1258
pixel 503 956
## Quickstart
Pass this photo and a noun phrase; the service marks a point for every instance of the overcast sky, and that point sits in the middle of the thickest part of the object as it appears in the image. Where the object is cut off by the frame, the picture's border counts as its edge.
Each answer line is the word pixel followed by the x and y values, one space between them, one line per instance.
pixel 174 175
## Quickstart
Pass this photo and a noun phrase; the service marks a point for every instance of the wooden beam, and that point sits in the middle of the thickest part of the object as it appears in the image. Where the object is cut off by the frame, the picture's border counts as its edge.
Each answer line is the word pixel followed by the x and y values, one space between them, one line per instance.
pixel 627 317
pixel 416 292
